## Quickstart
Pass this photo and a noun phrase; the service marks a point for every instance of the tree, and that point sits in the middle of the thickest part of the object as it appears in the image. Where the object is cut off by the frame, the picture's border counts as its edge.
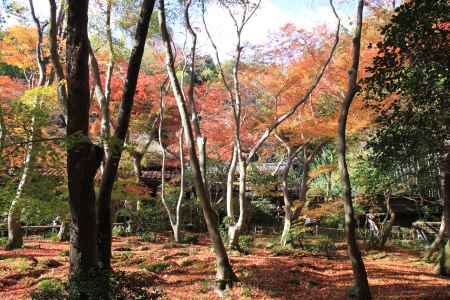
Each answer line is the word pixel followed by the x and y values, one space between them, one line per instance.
pixel 83 157
pixel 409 78
pixel 123 121
pixel 14 228
pixel 224 273
pixel 361 286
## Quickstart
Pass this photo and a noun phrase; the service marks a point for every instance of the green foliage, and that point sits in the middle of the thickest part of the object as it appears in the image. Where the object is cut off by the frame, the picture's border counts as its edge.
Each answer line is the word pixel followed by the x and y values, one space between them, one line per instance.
pixel 49 289
pixel 190 238
pixel 278 250
pixel 410 80
pixel 245 244
pixel 157 267
pixel 149 237
pixel 120 230
pixel 11 71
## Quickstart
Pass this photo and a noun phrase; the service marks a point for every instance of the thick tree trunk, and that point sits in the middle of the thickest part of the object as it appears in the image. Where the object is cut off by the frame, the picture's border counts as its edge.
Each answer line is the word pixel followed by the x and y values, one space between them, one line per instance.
pixel 360 289
pixel 388 224
pixel 224 275
pixel 83 158
pixel 112 164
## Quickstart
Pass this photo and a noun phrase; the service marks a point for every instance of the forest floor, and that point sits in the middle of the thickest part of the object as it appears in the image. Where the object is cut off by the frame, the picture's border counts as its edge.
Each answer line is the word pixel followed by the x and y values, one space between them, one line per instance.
pixel 188 270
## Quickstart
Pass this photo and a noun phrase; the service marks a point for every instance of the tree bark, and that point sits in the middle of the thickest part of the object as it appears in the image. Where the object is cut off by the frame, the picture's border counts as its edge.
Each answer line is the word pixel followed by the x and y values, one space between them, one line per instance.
pixel 83 158
pixel 224 275
pixel 112 164
pixel 15 239
pixel 55 58
pixel 437 243
pixel 63 233
pixel 360 289
pixel 444 180
pixel 229 188
pixel 387 226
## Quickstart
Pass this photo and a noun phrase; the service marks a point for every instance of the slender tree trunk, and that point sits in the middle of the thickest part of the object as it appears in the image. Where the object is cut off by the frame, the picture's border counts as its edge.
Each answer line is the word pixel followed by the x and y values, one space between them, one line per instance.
pixel 329 185
pixel 387 226
pixel 15 239
pixel 14 227
pixel 55 58
pixel 112 164
pixel 444 176
pixel 437 243
pixel 224 275
pixel 63 233
pixel 83 158
pixel 360 289
pixel 229 188
pixel 234 230
pixel 287 201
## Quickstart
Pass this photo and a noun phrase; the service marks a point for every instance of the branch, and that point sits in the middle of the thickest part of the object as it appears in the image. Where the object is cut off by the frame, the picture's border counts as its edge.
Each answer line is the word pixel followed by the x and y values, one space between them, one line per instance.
pixel 311 89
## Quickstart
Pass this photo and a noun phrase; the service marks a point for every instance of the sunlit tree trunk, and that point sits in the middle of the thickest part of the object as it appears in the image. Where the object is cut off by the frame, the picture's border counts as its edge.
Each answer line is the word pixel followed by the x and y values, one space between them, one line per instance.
pixel 63 233
pixel 230 185
pixel 224 273
pixel 389 223
pixel 15 239
pixel 360 289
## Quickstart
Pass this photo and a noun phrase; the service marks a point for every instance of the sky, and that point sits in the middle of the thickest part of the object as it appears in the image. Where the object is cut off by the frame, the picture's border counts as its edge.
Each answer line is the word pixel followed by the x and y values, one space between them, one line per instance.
pixel 271 16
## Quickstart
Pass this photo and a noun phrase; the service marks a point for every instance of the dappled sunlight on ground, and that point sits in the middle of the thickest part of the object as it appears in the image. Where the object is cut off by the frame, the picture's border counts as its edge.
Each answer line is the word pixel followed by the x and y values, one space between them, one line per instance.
pixel 186 271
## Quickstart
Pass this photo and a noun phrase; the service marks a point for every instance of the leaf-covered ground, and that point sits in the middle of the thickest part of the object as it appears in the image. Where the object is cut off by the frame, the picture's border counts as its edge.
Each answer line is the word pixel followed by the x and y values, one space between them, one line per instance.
pixel 185 271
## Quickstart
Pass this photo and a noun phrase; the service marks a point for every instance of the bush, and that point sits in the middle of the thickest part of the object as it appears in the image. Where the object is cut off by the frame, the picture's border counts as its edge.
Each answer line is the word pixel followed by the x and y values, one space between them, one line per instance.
pixel 49 289
pixel 157 267
pixel 323 245
pixel 282 251
pixel 190 238
pixel 149 237
pixel 120 230
pixel 245 244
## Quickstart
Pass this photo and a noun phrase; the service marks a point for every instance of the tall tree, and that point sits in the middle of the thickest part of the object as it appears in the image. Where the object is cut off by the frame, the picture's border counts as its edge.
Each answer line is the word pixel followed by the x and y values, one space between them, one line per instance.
pixel 83 157
pixel 14 228
pixel 410 78
pixel 224 273
pixel 123 121
pixel 360 289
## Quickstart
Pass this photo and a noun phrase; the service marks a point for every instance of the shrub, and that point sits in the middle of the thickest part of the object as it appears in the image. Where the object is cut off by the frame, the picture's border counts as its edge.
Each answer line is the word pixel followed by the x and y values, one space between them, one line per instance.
pixel 157 267
pixel 245 244
pixel 190 238
pixel 49 289
pixel 282 251
pixel 120 230
pixel 149 237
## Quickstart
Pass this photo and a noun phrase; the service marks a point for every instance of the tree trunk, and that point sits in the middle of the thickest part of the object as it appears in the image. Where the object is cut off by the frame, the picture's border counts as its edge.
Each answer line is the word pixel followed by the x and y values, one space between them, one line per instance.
pixel 360 289
pixel 437 243
pixel 224 275
pixel 112 164
pixel 444 176
pixel 235 230
pixel 83 158
pixel 229 193
pixel 63 233
pixel 287 202
pixel 387 226
pixel 15 239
